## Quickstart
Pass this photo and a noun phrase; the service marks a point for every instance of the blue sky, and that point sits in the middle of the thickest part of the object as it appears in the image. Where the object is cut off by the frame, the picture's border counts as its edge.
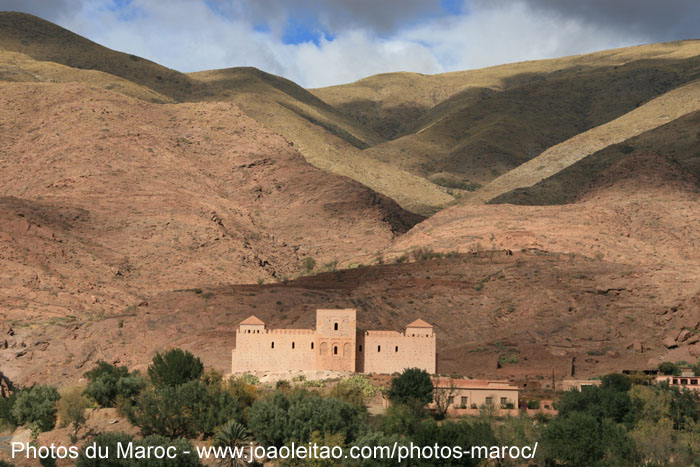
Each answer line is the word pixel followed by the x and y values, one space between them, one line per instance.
pixel 325 42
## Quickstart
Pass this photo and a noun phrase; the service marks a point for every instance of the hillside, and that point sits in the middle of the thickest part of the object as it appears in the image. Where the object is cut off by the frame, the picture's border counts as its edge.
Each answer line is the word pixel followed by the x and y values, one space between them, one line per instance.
pixel 108 199
pixel 465 128
pixel 32 49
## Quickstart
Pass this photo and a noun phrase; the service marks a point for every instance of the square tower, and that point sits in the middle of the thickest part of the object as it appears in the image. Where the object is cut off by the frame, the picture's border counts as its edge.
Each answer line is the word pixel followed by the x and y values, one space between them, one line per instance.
pixel 336 334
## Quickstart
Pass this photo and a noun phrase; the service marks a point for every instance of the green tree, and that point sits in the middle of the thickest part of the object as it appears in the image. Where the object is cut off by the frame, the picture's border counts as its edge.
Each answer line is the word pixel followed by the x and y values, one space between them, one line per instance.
pixel 186 410
pixel 616 381
pixel 174 367
pixel 580 439
pixel 283 417
pixel 107 382
pixel 71 410
pixel 447 433
pixel 600 403
pixel 669 368
pixel 413 386
pixel 38 406
pixel 231 434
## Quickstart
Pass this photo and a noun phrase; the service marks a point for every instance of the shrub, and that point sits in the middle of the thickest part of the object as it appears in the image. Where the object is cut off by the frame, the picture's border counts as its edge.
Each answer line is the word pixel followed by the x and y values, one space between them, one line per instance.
pixel 174 367
pixel 37 405
pixel 249 379
pixel 616 381
pixel 283 417
pixel 71 410
pixel 6 405
pixel 308 264
pixel 533 405
pixel 668 368
pixel 107 382
pixel 232 434
pixel 412 386
pixel 283 384
pixel 186 410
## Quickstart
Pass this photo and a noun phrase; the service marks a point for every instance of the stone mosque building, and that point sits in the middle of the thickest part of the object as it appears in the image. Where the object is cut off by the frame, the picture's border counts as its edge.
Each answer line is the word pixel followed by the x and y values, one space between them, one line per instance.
pixel 336 344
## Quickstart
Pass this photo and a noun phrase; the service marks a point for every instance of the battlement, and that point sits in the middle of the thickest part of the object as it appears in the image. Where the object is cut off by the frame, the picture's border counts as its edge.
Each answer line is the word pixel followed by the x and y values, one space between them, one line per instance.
pixel 335 345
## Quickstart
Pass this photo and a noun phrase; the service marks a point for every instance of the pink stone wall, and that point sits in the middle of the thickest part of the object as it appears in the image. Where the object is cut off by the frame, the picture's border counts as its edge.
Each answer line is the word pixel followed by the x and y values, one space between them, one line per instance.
pixel 336 332
pixel 391 352
pixel 291 351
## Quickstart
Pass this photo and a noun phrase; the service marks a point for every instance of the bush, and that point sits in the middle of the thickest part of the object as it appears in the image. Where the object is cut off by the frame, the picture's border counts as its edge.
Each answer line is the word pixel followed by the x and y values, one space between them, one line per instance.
pixel 533 405
pixel 355 389
pixel 598 402
pixel 249 379
pixel 462 433
pixel 174 367
pixel 283 417
pixel 111 440
pixel 308 264
pixel 6 405
pixel 71 410
pixel 38 406
pixel 668 368
pixel 186 410
pixel 617 382
pixel 108 382
pixel 410 387
pixel 581 439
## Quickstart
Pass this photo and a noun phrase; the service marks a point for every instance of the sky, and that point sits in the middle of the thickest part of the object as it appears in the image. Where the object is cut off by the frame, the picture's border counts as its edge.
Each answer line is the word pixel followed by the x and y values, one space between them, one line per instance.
pixel 325 42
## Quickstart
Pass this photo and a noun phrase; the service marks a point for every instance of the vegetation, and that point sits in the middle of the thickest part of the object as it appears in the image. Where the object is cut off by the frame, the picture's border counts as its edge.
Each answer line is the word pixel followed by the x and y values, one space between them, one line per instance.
pixel 280 418
pixel 413 387
pixel 232 434
pixel 107 383
pixel 36 406
pixel 71 410
pixel 174 367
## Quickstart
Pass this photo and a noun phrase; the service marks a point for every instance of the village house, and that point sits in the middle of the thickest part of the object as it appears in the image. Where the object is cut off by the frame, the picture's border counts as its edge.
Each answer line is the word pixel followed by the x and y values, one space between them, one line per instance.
pixel 468 396
pixel 334 345
pixel 687 380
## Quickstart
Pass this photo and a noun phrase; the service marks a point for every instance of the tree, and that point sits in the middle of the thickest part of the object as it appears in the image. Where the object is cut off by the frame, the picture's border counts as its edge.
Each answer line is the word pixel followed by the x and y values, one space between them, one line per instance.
pixel 283 417
pixel 580 439
pixel 232 434
pixel 71 410
pixel 616 381
pixel 186 410
pixel 174 367
pixel 443 396
pixel 600 403
pixel 669 368
pixel 38 406
pixel 410 387
pixel 462 433
pixel 108 382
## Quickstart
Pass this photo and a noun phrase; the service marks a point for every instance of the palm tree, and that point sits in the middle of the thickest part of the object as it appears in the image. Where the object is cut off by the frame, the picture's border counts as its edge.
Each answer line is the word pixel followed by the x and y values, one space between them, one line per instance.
pixel 231 434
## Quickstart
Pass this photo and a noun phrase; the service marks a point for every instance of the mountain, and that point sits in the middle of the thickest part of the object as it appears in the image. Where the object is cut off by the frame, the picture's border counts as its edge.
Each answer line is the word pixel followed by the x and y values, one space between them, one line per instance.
pixel 108 199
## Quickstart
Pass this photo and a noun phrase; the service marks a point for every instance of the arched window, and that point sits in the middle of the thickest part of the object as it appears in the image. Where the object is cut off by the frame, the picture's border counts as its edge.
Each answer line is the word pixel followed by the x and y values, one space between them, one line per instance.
pixel 335 326
pixel 335 350
pixel 292 344
pixel 273 345
pixel 379 348
pixel 396 349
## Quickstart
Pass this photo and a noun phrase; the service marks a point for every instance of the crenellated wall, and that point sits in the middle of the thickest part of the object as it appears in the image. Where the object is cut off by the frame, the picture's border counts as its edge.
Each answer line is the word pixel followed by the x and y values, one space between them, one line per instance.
pixel 275 350
pixel 390 352
pixel 334 345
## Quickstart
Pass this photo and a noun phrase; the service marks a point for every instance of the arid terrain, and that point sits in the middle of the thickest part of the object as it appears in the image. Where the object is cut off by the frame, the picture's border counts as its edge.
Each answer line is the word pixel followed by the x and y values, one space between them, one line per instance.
pixel 544 210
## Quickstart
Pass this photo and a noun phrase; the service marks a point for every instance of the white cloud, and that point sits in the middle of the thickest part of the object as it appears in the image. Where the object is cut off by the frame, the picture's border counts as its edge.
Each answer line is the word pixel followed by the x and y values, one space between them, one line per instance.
pixel 189 36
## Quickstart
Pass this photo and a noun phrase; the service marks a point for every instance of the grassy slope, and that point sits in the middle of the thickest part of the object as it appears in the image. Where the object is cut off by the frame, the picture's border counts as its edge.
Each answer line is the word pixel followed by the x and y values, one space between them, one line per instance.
pixel 476 125
pixel 679 139
pixel 662 110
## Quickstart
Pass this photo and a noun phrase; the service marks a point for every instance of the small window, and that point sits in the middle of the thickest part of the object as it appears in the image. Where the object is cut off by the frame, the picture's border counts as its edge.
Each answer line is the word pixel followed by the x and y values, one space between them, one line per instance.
pixel 451 400
pixel 335 326
pixel 335 350
pixel 379 348
pixel 396 349
pixel 504 401
pixel 312 346
pixel 273 344
pixel 489 400
pixel 292 344
pixel 464 400
pixel 360 347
